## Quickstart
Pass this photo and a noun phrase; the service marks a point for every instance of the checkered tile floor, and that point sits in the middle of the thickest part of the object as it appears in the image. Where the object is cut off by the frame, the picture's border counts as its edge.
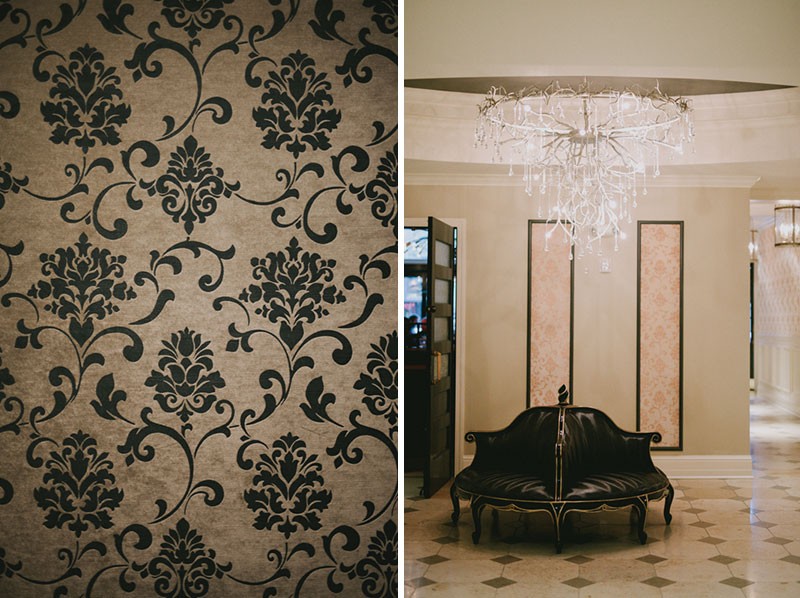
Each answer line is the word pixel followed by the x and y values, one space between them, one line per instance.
pixel 736 537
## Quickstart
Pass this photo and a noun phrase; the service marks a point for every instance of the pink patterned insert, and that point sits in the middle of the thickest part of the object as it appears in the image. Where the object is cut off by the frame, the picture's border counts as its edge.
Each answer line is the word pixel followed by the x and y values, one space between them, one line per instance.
pixel 660 331
pixel 550 316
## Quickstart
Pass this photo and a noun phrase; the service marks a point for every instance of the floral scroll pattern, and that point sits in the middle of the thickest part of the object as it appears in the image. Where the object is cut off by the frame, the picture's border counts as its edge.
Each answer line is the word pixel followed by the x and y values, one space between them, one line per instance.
pixel 198 249
pixel 87 109
pixel 297 107
pixel 80 489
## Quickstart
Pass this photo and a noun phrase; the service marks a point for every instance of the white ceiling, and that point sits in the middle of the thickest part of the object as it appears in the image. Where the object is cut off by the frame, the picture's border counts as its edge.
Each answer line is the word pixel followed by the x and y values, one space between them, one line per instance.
pixel 743 139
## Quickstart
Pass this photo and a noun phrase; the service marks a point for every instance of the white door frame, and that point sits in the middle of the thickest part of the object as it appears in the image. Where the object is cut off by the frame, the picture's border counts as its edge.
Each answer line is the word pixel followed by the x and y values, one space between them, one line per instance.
pixel 461 320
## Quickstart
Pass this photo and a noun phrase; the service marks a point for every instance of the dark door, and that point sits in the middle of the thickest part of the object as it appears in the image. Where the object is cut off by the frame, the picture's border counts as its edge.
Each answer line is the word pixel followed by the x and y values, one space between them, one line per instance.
pixel 439 413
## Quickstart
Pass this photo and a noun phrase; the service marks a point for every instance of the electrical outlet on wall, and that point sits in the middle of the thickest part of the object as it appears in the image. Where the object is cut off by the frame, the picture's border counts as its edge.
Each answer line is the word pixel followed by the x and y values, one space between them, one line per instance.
pixel 605 265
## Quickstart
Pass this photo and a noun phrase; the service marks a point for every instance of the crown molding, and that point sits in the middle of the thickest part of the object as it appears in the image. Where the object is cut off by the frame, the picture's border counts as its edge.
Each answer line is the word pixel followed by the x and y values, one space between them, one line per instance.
pixel 447 179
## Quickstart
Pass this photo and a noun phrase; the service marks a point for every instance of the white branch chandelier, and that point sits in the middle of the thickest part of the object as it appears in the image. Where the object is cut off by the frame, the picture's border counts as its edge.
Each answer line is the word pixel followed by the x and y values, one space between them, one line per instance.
pixel 585 151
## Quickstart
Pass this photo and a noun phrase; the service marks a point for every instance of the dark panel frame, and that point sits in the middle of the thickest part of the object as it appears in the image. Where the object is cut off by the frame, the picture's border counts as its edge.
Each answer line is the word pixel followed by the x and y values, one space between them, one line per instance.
pixel 571 319
pixel 641 223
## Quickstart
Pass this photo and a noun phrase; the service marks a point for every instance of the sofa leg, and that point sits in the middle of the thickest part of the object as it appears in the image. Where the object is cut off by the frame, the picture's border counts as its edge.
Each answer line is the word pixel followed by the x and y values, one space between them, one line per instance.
pixel 558 518
pixel 641 511
pixel 456 505
pixel 668 504
pixel 477 509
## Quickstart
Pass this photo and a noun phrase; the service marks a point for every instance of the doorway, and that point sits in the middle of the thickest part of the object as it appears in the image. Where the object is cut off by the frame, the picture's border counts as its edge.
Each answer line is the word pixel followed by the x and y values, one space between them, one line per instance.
pixel 432 345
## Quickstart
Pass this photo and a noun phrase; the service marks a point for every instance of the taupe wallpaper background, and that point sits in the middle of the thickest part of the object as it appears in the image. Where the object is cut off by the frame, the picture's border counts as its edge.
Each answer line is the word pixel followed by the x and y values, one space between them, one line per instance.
pixel 198 347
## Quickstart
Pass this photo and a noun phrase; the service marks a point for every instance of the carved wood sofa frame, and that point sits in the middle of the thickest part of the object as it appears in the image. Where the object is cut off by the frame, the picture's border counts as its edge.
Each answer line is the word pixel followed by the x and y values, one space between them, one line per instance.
pixel 559 460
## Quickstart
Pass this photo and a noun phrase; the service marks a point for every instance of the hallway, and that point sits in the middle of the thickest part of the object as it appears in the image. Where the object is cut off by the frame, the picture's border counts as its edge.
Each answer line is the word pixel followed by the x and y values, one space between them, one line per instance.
pixel 728 538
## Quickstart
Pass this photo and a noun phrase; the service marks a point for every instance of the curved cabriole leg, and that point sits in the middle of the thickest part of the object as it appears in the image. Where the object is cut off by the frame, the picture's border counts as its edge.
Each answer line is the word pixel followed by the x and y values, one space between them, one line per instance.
pixel 477 509
pixel 559 515
pixel 641 512
pixel 668 504
pixel 456 505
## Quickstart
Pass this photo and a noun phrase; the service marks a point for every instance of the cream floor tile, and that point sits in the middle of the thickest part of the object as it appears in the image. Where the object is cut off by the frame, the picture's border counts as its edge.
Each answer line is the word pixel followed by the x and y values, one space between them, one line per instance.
pixel 616 570
pixel 740 532
pixel 700 590
pixel 767 589
pixel 766 570
pixel 468 550
pixel 620 589
pixel 418 549
pixel 704 571
pixel 683 550
pixel 719 504
pixel 468 571
pixel 533 571
pixel 793 547
pixel 788 517
pixel 414 569
pixel 460 590
pixel 751 549
pixel 539 590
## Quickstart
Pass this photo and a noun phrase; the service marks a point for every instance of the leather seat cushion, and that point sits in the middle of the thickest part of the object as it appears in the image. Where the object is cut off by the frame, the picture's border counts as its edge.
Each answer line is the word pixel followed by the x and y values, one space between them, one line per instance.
pixel 614 485
pixel 505 484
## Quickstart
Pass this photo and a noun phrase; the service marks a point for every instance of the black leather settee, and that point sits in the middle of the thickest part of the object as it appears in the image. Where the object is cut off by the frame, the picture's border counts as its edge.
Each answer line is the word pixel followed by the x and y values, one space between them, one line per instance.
pixel 561 459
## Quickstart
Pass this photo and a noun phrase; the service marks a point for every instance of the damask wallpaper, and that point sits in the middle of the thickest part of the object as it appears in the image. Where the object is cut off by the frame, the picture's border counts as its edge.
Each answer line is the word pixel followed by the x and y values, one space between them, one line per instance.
pixel 198 346
pixel 777 312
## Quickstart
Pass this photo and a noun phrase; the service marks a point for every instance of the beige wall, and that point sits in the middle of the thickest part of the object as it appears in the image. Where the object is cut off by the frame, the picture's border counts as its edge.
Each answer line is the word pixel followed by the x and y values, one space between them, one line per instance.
pixel 716 405
pixel 777 322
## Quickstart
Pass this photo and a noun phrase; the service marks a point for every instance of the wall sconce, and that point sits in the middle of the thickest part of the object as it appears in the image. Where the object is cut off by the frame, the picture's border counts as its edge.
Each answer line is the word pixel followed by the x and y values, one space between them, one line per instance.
pixel 787 224
pixel 752 246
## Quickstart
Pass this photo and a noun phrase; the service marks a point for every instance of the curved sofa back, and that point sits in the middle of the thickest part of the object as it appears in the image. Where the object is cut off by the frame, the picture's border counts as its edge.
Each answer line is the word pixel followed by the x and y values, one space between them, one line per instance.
pixel 527 445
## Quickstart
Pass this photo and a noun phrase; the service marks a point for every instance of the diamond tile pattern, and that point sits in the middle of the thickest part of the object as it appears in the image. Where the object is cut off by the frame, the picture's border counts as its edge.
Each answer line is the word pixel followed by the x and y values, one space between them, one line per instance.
pixel 723 560
pixel 506 559
pixel 651 559
pixel 433 559
pixel 737 582
pixel 499 582
pixel 518 557
pixel 578 582
pixel 658 582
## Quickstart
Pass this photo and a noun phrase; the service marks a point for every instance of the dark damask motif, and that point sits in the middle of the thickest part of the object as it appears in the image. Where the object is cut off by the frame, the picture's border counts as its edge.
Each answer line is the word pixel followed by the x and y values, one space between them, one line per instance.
pixel 11 405
pixel 184 566
pixel 378 569
pixel 79 487
pixel 194 15
pixel 8 252
pixel 8 403
pixel 8 569
pixel 88 107
pixel 381 192
pixel 385 15
pixel 293 287
pixel 191 186
pixel 9 183
pixel 326 20
pixel 288 491
pixel 297 105
pixel 84 284
pixel 185 382
pixel 379 383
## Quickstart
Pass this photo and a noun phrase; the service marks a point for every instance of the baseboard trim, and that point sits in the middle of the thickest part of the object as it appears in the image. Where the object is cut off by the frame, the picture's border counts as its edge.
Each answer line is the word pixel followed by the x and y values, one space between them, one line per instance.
pixel 695 466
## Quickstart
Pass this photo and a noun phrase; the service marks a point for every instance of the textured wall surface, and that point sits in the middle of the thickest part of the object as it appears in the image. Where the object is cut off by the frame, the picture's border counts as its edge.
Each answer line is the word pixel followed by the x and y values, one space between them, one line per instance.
pixel 777 311
pixel 198 366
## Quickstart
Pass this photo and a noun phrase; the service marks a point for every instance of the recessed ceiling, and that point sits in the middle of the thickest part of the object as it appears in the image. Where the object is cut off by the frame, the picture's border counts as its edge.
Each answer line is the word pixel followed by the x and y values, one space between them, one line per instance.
pixel 673 87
